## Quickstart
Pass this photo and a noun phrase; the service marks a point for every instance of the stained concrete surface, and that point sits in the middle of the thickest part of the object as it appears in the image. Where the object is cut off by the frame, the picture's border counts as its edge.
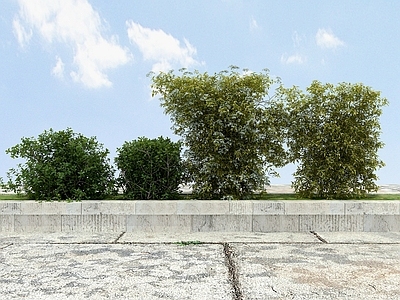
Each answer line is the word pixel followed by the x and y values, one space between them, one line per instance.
pixel 319 271
pixel 313 265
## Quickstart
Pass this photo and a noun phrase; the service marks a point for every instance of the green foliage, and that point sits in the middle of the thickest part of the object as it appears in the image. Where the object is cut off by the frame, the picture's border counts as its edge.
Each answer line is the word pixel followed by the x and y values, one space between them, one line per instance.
pixel 232 130
pixel 61 165
pixel 334 137
pixel 150 169
pixel 187 243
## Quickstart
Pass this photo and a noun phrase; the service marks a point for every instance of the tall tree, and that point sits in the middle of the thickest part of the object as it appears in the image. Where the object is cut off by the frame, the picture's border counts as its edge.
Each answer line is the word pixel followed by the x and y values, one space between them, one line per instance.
pixel 231 127
pixel 334 138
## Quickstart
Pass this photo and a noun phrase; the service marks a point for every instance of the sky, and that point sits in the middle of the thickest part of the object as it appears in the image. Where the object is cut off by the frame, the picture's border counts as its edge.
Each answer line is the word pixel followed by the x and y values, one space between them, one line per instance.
pixel 82 64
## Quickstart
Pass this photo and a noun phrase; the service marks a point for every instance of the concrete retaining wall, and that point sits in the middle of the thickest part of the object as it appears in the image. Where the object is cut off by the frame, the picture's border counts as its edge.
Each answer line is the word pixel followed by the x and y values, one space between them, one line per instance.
pixel 199 216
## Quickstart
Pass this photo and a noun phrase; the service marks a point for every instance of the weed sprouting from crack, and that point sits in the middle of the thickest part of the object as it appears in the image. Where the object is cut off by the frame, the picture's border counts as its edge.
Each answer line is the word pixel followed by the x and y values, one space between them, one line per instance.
pixel 187 243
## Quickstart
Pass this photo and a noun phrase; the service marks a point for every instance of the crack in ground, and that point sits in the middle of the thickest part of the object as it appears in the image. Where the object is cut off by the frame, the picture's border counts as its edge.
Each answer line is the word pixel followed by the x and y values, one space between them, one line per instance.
pixel 120 236
pixel 232 271
pixel 3 247
pixel 319 237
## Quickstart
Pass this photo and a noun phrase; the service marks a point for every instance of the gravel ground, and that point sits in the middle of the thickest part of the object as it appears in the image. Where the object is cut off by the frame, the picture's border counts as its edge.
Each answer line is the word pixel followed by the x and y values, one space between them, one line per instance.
pixel 200 266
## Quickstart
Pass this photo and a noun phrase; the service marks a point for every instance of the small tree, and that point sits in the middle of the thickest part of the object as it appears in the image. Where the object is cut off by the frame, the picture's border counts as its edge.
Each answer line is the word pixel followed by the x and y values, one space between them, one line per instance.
pixel 334 137
pixel 61 165
pixel 150 169
pixel 232 129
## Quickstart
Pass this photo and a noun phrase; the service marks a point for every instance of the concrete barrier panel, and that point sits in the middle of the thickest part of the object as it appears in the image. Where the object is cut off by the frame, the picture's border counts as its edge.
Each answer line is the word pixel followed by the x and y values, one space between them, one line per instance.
pixel 50 208
pixel 71 223
pixel 113 223
pixel 155 207
pixel 372 207
pixel 10 208
pixel 240 207
pixel 205 207
pixel 382 223
pixel 314 208
pixel 268 208
pixel 6 223
pixel 108 207
pixel 275 223
pixel 200 216
pixel 158 223
pixel 100 223
pixel 329 223
pixel 37 223
pixel 222 223
pixel 93 223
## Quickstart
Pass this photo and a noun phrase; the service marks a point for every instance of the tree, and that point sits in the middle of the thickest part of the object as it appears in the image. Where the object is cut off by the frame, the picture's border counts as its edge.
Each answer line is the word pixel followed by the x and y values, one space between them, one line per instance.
pixel 150 169
pixel 60 166
pixel 334 138
pixel 231 128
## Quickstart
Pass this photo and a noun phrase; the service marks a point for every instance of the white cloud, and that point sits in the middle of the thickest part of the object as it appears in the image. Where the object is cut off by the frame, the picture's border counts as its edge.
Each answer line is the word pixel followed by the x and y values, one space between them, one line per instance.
pixel 161 48
pixel 58 69
pixel 75 24
pixel 21 34
pixel 253 25
pixel 297 39
pixel 293 59
pixel 326 39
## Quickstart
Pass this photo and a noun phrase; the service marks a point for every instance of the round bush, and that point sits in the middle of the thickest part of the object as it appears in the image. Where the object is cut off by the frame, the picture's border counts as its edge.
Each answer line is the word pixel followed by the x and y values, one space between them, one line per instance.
pixel 61 165
pixel 150 169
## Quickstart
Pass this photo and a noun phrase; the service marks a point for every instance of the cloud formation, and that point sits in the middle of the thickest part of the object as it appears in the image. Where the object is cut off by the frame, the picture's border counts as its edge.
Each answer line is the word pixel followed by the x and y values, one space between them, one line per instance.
pixel 326 39
pixel 296 58
pixel 75 24
pixel 293 59
pixel 58 69
pixel 161 48
pixel 253 25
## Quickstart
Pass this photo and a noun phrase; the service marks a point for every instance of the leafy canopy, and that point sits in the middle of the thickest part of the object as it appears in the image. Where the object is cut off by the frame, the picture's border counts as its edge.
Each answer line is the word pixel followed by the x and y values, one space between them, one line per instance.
pixel 231 127
pixel 334 138
pixel 61 165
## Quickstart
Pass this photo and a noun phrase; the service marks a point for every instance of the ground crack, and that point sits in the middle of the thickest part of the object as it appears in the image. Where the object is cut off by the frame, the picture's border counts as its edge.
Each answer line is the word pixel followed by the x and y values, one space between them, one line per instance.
pixel 3 247
pixel 319 237
pixel 120 236
pixel 232 271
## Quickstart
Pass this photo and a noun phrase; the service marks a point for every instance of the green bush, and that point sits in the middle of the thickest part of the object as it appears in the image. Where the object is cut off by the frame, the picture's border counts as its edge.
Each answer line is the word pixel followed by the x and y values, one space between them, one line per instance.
pixel 61 165
pixel 150 169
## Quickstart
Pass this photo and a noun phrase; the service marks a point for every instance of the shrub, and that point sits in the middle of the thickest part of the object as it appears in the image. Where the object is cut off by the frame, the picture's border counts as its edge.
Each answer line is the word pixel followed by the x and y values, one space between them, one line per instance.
pixel 61 165
pixel 150 169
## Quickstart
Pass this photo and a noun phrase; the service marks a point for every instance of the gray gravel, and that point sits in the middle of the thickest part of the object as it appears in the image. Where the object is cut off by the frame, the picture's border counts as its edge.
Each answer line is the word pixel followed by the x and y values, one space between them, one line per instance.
pixel 200 266
pixel 146 271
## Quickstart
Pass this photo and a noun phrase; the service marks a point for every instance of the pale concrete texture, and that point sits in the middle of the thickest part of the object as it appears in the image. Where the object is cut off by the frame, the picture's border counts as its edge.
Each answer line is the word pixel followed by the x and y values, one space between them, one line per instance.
pixel 200 216
pixel 361 237
pixel 319 271
pixel 220 237
pixel 171 265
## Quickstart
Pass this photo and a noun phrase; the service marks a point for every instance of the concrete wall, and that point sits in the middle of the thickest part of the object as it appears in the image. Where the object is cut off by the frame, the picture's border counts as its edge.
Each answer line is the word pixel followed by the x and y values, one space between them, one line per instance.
pixel 199 216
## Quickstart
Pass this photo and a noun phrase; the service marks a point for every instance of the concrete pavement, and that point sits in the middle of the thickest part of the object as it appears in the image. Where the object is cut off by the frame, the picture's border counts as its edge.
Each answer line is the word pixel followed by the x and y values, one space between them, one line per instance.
pixel 203 265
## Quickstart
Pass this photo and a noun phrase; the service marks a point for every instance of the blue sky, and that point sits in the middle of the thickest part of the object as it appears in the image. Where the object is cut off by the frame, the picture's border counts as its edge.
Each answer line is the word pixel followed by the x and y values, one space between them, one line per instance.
pixel 83 63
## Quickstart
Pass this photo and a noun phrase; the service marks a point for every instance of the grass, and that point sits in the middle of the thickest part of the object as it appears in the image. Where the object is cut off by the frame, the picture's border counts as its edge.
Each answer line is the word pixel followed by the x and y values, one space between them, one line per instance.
pixel 12 197
pixel 263 196
pixel 374 196
pixel 187 243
